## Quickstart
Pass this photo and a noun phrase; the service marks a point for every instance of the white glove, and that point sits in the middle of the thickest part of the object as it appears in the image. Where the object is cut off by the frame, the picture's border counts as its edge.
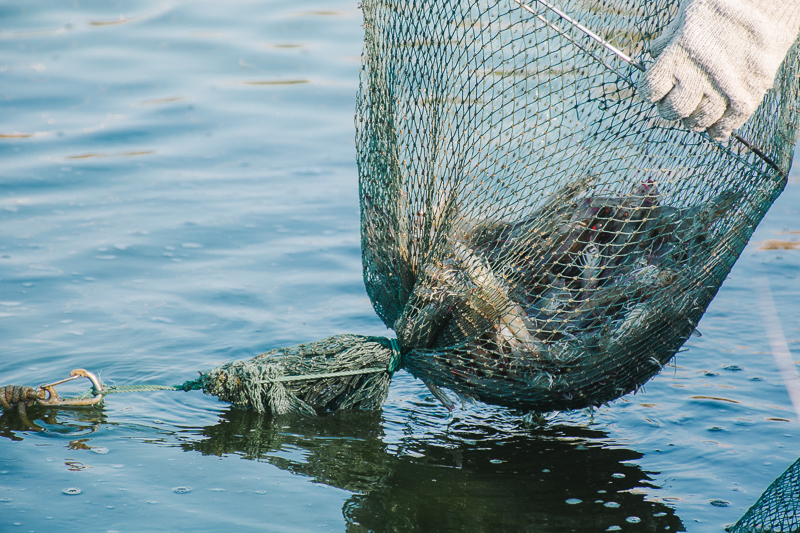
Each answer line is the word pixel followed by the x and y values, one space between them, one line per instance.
pixel 717 59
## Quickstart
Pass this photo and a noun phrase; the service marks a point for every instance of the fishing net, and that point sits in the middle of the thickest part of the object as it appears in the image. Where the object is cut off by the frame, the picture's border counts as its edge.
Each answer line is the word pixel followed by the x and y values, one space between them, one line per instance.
pixel 778 509
pixel 534 233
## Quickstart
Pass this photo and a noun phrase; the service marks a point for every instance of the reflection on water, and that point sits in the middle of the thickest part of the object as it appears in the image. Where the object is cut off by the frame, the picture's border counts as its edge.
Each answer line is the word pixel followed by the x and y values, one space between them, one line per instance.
pixel 13 425
pixel 471 477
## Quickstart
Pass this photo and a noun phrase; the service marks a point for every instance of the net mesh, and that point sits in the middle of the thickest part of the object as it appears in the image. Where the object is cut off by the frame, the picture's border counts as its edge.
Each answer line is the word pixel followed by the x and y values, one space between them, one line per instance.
pixel 778 509
pixel 537 236
pixel 341 372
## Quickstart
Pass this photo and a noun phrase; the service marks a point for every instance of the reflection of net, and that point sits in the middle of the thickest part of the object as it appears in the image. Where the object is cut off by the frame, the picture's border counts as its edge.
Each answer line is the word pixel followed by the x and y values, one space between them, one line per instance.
pixel 473 474
pixel 778 509
pixel 533 232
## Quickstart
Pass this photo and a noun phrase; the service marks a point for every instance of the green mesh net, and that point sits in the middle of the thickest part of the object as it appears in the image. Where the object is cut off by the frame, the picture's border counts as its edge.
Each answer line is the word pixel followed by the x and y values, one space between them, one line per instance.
pixel 778 509
pixel 535 234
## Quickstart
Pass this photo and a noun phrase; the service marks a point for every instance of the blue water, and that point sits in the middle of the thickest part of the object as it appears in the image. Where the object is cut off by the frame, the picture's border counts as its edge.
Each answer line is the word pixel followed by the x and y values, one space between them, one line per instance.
pixel 178 189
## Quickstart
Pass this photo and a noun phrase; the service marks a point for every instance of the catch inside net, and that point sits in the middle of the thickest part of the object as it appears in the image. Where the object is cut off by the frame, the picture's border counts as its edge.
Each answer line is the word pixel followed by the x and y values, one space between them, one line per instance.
pixel 537 236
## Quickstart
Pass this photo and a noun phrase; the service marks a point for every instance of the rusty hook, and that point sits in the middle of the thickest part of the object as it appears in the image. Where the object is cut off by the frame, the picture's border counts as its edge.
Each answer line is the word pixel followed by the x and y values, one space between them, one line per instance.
pixel 51 398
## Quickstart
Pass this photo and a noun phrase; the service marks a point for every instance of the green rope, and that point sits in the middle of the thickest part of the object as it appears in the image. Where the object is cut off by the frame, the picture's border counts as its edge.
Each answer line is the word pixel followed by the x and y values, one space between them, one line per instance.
pixel 140 388
pixel 129 388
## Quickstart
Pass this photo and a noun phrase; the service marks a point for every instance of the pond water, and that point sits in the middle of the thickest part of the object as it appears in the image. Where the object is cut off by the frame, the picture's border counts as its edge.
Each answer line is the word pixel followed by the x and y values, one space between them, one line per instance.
pixel 178 189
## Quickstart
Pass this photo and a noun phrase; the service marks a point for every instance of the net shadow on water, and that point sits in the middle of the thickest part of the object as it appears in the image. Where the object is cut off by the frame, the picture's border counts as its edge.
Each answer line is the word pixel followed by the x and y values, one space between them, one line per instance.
pixel 76 423
pixel 555 478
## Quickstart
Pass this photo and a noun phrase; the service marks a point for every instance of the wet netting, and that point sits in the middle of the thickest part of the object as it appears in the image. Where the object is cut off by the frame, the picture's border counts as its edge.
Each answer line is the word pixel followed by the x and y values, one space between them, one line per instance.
pixel 778 509
pixel 533 232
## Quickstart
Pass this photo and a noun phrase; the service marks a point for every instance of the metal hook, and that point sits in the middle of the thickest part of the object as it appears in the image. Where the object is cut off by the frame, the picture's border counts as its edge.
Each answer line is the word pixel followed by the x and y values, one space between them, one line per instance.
pixel 53 400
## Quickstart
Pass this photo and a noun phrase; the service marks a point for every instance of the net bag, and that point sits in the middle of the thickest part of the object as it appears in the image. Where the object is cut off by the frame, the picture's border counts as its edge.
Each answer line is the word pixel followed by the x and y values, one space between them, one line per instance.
pixel 533 232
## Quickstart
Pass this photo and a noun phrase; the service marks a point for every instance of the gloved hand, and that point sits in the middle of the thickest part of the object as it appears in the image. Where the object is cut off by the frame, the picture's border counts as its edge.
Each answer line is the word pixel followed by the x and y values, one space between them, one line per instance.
pixel 716 60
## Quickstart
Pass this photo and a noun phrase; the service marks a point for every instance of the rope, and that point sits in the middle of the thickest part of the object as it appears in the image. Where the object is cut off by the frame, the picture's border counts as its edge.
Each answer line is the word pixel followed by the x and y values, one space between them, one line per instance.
pixel 196 384
pixel 140 388
pixel 131 388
